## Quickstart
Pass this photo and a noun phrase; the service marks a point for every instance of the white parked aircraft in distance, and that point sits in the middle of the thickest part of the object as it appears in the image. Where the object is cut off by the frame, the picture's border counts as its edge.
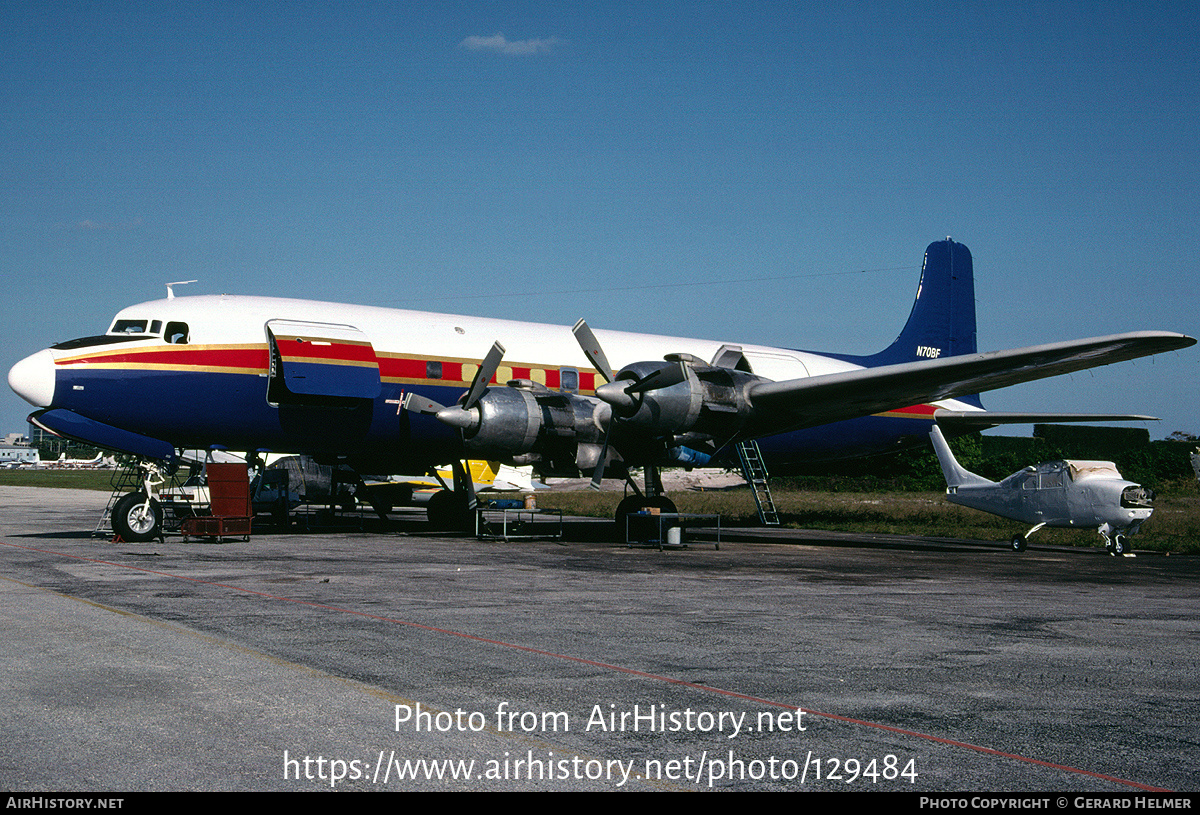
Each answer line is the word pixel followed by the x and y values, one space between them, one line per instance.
pixel 382 390
pixel 1058 494
pixel 63 461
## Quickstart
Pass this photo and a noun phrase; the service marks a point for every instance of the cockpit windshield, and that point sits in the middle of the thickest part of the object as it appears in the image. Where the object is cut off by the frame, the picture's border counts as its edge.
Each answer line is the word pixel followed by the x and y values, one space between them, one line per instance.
pixel 135 327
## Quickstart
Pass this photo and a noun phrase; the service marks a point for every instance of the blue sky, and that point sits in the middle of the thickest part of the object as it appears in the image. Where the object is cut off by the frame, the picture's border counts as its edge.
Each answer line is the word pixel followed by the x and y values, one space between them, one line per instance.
pixel 754 172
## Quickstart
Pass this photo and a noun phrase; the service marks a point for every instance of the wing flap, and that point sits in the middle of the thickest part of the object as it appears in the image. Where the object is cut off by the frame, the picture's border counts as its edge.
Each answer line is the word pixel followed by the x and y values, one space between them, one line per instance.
pixel 983 419
pixel 799 403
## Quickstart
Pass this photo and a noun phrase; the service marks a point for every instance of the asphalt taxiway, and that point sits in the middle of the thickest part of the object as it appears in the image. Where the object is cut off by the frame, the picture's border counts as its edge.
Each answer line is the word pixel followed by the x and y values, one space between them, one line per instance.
pixel 396 659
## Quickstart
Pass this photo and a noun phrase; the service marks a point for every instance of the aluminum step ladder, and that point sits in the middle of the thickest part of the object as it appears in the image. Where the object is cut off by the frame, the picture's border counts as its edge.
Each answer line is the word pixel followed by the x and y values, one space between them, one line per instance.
pixel 755 472
pixel 125 479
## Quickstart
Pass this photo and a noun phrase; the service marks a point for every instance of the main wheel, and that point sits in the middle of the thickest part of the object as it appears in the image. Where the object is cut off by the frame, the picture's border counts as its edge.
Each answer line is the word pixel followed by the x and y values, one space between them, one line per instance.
pixel 133 522
pixel 1018 543
pixel 448 511
pixel 631 504
pixel 1120 544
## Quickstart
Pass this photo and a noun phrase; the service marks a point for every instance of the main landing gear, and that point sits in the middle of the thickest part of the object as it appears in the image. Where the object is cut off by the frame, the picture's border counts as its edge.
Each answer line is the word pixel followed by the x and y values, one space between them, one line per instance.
pixel 453 507
pixel 1020 543
pixel 653 497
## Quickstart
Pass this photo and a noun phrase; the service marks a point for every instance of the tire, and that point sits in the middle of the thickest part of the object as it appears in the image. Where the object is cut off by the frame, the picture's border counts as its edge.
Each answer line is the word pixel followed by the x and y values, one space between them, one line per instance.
pixel 1120 545
pixel 447 511
pixel 131 523
pixel 634 503
pixel 1019 543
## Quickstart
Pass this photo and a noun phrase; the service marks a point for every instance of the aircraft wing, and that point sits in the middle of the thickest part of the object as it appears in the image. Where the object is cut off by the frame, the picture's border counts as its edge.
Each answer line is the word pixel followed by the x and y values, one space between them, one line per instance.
pixel 799 403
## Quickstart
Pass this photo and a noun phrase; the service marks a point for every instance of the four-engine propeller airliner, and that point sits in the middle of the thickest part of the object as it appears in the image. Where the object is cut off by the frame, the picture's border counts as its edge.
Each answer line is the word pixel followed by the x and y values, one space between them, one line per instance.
pixel 382 390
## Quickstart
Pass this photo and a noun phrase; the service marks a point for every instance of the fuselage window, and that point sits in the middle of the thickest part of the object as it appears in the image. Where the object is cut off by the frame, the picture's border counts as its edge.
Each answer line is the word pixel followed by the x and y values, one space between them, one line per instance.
pixel 433 369
pixel 177 333
pixel 568 380
pixel 1052 480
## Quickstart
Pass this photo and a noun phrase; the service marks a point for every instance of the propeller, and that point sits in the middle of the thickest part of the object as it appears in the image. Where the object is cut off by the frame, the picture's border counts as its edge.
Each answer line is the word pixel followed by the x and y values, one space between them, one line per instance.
pixel 592 350
pixel 461 415
pixel 622 394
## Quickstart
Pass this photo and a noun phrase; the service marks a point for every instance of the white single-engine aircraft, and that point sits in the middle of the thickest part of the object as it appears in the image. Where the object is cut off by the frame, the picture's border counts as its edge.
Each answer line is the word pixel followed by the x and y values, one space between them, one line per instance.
pixel 1058 494
pixel 381 390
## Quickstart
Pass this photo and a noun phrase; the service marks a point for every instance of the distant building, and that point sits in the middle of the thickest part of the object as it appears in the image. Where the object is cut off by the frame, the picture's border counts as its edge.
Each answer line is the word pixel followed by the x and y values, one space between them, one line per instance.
pixel 12 455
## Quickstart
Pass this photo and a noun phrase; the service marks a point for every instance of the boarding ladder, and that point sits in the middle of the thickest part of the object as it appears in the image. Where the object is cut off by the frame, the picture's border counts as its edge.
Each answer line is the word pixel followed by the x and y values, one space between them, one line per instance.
pixel 125 479
pixel 755 472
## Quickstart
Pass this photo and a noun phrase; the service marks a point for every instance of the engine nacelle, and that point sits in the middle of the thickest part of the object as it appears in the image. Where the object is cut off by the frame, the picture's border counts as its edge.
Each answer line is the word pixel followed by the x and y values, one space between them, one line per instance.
pixel 710 402
pixel 529 424
pixel 508 420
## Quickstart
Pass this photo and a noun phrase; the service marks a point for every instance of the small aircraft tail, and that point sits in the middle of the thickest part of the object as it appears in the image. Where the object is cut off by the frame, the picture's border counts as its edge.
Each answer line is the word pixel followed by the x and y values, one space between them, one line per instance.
pixel 942 321
pixel 956 475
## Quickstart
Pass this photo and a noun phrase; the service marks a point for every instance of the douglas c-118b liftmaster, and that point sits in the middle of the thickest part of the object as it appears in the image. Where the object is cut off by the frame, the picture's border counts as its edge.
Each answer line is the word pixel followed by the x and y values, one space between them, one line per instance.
pixel 382 390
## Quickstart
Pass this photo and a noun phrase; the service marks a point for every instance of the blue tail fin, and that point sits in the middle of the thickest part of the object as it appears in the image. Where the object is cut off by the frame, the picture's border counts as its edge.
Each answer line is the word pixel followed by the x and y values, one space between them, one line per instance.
pixel 942 322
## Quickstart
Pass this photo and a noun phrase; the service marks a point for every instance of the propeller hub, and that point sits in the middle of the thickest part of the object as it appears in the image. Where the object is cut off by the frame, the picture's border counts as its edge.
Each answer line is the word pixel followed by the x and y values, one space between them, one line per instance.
pixel 614 393
pixel 459 417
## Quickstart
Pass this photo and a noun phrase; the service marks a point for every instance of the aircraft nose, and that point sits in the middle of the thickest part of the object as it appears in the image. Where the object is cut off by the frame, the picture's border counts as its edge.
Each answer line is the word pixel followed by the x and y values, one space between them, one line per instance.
pixel 33 379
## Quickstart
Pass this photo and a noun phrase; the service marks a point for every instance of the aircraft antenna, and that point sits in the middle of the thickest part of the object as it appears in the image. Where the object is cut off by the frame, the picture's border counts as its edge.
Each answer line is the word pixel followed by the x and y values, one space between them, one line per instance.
pixel 171 292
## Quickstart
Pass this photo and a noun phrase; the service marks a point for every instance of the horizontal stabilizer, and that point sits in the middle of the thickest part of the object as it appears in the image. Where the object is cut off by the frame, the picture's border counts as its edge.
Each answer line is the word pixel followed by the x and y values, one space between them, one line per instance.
pixel 982 419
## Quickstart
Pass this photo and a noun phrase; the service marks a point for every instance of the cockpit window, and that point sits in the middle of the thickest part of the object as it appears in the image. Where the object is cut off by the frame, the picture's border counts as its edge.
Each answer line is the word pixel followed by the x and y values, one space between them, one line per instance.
pixel 128 327
pixel 177 333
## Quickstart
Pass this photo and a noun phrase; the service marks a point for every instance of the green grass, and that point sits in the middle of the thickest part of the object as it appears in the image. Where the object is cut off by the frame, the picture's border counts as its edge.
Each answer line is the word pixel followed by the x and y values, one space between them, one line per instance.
pixel 64 479
pixel 1174 527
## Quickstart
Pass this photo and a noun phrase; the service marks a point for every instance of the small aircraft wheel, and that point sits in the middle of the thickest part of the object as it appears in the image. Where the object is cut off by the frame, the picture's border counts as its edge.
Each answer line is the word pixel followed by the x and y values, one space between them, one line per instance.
pixel 448 511
pixel 1019 543
pixel 133 522
pixel 1120 544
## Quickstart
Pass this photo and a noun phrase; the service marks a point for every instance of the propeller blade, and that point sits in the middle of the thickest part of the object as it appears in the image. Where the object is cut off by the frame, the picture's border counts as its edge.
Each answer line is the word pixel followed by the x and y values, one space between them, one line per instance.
pixel 592 350
pixel 420 404
pixel 487 369
pixel 598 473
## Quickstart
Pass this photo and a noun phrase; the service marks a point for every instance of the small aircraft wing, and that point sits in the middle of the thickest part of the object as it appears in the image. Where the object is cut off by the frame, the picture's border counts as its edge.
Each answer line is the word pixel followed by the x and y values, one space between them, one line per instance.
pixel 799 403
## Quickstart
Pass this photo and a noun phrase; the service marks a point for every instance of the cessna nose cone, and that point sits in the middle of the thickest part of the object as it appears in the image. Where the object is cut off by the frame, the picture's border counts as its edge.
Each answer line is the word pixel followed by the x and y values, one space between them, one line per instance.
pixel 33 379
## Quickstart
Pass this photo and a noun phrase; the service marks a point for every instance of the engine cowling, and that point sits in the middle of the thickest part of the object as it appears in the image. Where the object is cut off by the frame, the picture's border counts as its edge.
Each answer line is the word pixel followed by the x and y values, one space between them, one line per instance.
pixel 711 402
pixel 529 424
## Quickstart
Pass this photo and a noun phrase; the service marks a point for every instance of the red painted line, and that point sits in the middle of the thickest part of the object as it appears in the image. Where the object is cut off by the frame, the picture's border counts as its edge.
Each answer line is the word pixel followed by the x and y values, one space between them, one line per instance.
pixel 618 668
pixel 199 357
pixel 924 411
pixel 324 351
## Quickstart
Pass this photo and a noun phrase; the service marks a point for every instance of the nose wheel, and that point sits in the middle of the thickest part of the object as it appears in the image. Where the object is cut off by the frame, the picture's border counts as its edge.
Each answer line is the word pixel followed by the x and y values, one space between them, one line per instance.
pixel 137 519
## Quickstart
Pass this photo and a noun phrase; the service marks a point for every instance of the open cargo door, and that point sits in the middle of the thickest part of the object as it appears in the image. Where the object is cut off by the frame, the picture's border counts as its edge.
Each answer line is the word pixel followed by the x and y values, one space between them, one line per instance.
pixel 322 359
